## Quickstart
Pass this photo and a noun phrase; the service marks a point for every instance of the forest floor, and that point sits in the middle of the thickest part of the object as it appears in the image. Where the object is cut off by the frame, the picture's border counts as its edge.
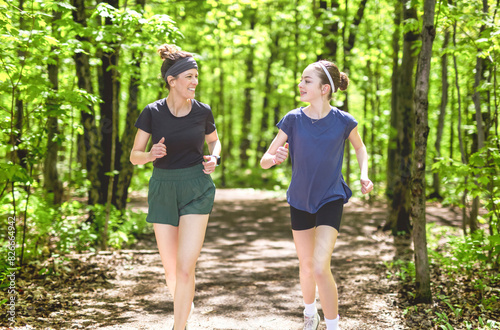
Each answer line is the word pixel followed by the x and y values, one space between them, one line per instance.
pixel 246 277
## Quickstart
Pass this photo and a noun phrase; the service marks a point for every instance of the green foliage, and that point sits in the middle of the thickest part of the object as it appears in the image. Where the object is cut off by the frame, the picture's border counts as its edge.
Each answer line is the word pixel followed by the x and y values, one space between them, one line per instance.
pixel 468 264
pixel 58 231
pixel 401 269
pixel 480 177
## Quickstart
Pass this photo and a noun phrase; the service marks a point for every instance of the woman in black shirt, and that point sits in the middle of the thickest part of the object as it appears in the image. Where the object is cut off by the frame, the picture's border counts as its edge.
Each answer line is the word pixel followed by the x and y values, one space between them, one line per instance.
pixel 181 191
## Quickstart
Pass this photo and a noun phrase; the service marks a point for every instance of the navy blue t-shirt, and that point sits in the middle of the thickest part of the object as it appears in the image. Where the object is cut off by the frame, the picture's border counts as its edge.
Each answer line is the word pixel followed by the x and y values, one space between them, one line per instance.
pixel 184 136
pixel 317 150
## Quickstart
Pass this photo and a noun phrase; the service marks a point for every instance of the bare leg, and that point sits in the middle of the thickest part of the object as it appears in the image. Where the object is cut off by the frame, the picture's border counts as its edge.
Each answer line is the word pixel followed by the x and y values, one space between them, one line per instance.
pixel 304 244
pixel 192 230
pixel 326 238
pixel 166 238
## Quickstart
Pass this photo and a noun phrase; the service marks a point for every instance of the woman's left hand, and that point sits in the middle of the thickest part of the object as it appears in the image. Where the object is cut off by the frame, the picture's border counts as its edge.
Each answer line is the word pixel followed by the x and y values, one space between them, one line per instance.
pixel 209 164
pixel 366 186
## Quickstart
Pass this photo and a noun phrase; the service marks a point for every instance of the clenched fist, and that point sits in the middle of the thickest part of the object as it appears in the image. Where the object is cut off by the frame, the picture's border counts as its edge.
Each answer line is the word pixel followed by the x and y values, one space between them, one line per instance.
pixel 158 150
pixel 281 154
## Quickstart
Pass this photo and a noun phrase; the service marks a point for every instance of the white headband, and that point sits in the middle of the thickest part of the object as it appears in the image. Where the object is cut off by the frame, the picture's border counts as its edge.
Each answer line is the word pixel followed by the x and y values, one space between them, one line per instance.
pixel 328 75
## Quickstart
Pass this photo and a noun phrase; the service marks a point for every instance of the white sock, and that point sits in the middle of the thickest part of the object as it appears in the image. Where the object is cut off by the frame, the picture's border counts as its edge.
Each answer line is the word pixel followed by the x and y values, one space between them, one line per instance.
pixel 310 309
pixel 192 309
pixel 332 324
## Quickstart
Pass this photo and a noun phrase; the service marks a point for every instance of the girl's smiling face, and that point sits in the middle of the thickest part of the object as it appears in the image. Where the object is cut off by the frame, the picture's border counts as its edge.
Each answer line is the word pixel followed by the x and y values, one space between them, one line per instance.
pixel 310 85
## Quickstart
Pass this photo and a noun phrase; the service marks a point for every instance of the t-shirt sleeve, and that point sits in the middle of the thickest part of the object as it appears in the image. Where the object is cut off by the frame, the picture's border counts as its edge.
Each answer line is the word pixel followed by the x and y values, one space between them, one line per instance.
pixel 285 124
pixel 144 120
pixel 210 123
pixel 351 123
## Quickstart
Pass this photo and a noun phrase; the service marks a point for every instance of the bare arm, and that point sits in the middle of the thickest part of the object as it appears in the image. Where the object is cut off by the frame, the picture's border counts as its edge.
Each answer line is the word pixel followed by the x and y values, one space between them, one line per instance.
pixel 276 154
pixel 214 148
pixel 213 142
pixel 138 154
pixel 362 156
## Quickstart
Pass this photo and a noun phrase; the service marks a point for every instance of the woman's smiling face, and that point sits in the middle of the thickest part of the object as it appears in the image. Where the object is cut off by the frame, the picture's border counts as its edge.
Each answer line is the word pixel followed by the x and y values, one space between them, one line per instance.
pixel 186 83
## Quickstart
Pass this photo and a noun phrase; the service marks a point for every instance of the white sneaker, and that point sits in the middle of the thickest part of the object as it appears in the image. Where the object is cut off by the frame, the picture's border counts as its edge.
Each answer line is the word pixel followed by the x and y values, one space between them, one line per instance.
pixel 311 322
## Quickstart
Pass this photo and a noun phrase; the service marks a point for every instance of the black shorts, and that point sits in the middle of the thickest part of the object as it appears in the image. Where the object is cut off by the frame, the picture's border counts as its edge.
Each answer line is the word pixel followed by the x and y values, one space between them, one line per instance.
pixel 329 214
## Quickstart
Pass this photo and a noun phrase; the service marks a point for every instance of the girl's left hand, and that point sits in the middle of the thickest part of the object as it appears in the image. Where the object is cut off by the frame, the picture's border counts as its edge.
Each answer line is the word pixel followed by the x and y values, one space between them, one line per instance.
pixel 209 164
pixel 366 186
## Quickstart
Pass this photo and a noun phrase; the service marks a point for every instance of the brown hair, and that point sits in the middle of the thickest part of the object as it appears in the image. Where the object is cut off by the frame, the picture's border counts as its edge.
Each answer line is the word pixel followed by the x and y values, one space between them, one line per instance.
pixel 170 54
pixel 340 79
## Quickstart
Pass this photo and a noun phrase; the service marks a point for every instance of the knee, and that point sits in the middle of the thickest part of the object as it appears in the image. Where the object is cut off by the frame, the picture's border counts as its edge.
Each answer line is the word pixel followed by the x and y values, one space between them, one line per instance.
pixel 184 274
pixel 322 273
pixel 306 269
pixel 170 275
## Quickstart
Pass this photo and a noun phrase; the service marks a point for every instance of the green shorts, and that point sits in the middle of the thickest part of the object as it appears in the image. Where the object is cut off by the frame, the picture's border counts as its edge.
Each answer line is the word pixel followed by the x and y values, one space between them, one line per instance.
pixel 173 193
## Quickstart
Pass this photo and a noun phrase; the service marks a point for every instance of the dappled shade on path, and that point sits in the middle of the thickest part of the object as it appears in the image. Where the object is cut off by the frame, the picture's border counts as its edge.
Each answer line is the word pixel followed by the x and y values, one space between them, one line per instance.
pixel 247 274
pixel 246 277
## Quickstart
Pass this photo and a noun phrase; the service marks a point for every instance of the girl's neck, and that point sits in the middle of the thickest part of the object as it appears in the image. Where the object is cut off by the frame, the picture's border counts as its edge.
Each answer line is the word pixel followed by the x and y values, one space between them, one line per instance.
pixel 319 109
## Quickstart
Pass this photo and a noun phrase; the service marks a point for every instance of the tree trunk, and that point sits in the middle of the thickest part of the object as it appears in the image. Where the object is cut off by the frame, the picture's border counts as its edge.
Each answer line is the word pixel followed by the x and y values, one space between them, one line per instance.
pixel 393 130
pixel 348 46
pixel 20 152
pixel 247 107
pixel 52 183
pixel 400 208
pixel 109 85
pixel 459 130
pixel 124 166
pixel 266 110
pixel 442 115
pixel 476 97
pixel 330 32
pixel 223 114
pixel 422 278
pixel 91 150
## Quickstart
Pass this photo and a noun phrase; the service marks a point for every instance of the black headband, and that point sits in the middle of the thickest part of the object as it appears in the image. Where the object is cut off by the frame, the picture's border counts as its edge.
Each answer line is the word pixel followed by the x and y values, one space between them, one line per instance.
pixel 181 65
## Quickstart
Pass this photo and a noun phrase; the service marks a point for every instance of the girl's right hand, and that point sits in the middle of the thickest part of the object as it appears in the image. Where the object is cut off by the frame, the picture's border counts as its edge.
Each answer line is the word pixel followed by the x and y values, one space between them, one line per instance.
pixel 281 154
pixel 158 150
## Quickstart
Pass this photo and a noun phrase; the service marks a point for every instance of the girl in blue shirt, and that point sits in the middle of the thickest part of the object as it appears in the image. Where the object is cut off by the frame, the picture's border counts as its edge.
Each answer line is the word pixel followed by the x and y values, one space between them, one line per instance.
pixel 316 137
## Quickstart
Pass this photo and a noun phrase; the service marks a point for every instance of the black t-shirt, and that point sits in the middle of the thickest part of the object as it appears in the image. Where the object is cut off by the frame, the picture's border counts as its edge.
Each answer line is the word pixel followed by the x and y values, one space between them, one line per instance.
pixel 184 136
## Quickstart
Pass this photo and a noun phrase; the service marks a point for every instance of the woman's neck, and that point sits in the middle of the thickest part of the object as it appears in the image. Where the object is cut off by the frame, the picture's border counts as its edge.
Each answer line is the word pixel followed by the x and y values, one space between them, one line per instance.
pixel 178 106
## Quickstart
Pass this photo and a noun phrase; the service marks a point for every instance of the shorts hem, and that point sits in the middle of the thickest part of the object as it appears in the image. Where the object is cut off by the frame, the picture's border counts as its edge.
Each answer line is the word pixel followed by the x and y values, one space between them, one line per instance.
pixel 316 226
pixel 194 213
pixel 163 222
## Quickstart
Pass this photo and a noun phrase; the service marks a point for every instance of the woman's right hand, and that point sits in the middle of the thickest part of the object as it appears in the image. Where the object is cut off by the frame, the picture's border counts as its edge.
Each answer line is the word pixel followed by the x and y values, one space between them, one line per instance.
pixel 158 150
pixel 281 154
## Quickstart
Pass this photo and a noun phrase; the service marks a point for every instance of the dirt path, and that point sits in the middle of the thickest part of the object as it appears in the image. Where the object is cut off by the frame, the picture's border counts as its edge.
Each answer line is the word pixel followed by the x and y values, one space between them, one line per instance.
pixel 247 275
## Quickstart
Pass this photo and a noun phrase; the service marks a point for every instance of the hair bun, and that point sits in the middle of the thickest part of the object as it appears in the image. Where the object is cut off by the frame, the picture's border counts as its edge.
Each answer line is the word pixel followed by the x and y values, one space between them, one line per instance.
pixel 167 51
pixel 344 81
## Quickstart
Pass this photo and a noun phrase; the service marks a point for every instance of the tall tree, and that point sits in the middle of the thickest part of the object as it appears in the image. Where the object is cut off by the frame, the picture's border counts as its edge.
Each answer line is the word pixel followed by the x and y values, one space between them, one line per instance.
pixel 109 91
pixel 51 177
pixel 20 151
pixel 422 274
pixel 442 113
pixel 400 208
pixel 91 152
pixel 330 30
pixel 249 86
pixel 124 167
pixel 348 46
pixel 393 129
pixel 463 156
pixel 480 132
pixel 266 110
